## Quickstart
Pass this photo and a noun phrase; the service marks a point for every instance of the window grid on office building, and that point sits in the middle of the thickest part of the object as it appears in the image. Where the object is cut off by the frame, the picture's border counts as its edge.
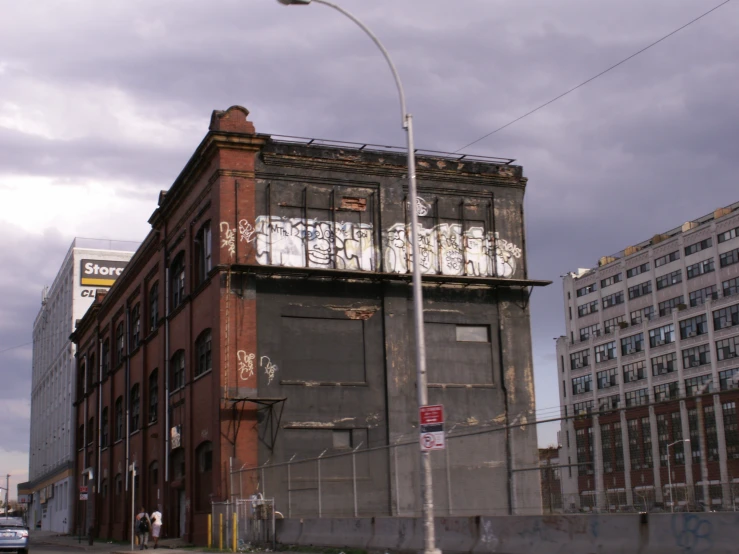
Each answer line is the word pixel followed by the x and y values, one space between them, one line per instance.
pixel 729 258
pixel 730 287
pixel 666 391
pixel 645 314
pixel 632 344
pixel 634 371
pixel 693 384
pixel 670 279
pixel 637 397
pixel 697 356
pixel 662 365
pixel 667 307
pixel 607 378
pixel 726 317
pixel 610 325
pixel 667 258
pixel 726 378
pixel 662 335
pixel 699 297
pixel 700 268
pixel 694 326
pixel 580 359
pixel 730 430
pixel 605 352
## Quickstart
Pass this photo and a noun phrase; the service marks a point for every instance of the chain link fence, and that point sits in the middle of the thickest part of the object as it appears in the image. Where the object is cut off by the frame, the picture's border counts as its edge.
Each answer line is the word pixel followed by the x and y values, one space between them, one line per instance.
pixel 243 524
pixel 612 461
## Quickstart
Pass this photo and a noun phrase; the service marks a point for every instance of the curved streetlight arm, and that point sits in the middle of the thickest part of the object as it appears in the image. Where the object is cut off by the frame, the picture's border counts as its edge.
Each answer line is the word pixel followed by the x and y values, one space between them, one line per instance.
pixel 370 34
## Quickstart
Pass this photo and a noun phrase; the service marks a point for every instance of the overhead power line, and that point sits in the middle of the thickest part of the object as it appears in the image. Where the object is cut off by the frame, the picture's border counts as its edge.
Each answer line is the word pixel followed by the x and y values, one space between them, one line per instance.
pixel 614 66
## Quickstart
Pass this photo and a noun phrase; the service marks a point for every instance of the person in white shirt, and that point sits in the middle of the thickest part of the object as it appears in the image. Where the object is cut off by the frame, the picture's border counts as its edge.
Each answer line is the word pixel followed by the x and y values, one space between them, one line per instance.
pixel 156 526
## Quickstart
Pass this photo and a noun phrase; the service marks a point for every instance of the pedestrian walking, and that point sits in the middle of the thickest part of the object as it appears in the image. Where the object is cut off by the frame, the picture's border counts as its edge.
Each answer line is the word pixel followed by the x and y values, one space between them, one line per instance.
pixel 156 526
pixel 143 526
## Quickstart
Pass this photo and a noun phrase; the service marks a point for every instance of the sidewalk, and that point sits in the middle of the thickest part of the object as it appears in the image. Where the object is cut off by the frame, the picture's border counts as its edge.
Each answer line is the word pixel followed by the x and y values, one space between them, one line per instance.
pixel 50 538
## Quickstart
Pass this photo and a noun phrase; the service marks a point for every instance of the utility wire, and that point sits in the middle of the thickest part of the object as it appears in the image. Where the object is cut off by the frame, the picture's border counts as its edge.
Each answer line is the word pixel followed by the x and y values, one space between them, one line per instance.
pixel 16 346
pixel 614 66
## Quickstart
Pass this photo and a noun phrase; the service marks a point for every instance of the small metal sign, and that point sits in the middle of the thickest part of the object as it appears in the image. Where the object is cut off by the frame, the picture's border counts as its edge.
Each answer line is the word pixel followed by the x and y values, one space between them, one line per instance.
pixel 431 426
pixel 83 492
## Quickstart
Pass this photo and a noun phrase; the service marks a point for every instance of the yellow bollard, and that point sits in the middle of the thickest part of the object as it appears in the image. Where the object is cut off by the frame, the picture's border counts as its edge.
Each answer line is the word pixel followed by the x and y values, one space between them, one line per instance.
pixel 235 532
pixel 210 530
pixel 220 531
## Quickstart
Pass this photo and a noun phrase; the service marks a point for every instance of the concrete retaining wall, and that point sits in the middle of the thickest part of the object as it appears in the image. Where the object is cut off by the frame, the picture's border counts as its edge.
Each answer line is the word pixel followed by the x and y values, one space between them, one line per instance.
pixel 557 534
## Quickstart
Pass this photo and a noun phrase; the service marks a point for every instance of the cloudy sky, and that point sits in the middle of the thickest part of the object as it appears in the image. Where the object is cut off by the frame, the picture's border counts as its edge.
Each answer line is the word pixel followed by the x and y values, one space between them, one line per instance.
pixel 101 104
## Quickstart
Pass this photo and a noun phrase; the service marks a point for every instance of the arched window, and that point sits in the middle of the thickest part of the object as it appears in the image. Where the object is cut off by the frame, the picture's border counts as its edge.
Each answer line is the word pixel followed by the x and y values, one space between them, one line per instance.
pixel 120 343
pixel 106 356
pixel 203 349
pixel 135 407
pixel 104 428
pixel 119 418
pixel 153 396
pixel 154 473
pixel 203 253
pixel 203 476
pixel 154 306
pixel 90 430
pixel 177 461
pixel 177 279
pixel 81 376
pixel 135 326
pixel 177 370
pixel 119 500
pixel 91 371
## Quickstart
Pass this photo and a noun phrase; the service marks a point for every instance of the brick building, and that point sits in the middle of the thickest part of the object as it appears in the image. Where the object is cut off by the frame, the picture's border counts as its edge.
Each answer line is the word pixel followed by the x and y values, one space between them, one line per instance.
pixel 268 314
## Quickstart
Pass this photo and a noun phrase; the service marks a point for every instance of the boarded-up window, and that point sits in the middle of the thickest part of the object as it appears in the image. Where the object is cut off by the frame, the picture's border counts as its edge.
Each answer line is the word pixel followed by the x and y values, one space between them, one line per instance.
pixel 323 349
pixel 459 354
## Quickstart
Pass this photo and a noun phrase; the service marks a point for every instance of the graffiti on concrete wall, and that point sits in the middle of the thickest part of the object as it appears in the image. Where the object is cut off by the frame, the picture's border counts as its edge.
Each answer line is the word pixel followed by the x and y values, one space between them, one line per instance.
pixel 323 244
pixel 228 238
pixel 443 249
pixel 246 364
pixel 692 532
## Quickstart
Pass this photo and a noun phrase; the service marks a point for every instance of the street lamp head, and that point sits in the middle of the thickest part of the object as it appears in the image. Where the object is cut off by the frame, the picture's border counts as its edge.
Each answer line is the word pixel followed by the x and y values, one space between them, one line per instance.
pixel 686 440
pixel 297 2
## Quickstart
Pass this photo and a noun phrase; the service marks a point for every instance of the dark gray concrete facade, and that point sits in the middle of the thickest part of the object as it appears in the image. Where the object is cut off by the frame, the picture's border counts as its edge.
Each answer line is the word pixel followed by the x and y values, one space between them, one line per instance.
pixel 334 327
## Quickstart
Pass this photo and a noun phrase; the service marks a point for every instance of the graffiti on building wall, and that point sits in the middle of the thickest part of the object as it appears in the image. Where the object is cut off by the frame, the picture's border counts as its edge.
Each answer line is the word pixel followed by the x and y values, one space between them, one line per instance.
pixel 444 249
pixel 340 245
pixel 228 238
pixel 269 368
pixel 247 231
pixel 246 364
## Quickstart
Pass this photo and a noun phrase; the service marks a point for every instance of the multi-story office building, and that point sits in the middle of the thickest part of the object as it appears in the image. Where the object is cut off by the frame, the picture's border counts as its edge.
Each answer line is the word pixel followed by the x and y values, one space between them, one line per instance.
pixel 648 361
pixel 88 265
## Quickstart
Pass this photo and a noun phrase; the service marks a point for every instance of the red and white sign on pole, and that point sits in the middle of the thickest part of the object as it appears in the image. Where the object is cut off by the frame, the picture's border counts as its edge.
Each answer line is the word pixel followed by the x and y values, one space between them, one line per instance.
pixel 431 420
pixel 83 492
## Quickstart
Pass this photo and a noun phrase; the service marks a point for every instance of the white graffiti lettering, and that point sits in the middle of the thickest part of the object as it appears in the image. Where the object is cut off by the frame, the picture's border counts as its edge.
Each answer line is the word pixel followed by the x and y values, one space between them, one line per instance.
pixel 228 238
pixel 269 368
pixel 247 231
pixel 422 207
pixel 293 241
pixel 445 250
pixel 246 364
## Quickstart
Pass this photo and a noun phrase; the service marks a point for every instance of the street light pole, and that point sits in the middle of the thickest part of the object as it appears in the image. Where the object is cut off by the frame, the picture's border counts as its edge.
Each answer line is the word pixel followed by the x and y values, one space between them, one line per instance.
pixel 669 471
pixel 421 388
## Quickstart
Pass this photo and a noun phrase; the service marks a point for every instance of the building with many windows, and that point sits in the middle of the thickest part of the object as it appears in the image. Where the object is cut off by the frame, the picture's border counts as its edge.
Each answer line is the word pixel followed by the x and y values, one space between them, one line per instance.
pixel 88 265
pixel 649 361
pixel 267 316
